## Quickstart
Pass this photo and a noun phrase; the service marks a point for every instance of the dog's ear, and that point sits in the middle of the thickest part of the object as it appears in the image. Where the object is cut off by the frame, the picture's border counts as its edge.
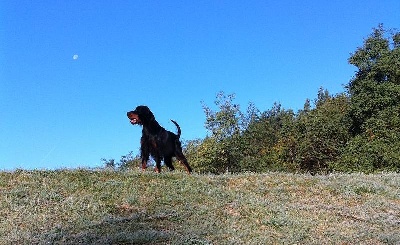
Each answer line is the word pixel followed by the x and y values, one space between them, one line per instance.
pixel 144 113
pixel 148 114
pixel 142 109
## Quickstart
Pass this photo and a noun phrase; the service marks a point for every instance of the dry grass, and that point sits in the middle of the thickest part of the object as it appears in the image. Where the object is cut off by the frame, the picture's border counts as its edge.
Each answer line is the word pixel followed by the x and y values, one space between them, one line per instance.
pixel 107 207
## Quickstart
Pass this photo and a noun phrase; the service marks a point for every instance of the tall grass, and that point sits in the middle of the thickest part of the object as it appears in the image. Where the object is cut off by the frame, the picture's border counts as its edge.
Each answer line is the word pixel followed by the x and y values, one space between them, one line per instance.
pixel 132 207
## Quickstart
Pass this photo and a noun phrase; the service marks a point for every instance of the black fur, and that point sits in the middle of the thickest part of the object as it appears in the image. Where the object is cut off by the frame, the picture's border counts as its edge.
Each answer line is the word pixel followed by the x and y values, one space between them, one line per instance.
pixel 156 141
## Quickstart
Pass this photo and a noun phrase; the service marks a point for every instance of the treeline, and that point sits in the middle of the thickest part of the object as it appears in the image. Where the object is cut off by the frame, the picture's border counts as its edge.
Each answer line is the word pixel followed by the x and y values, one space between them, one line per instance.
pixel 357 130
pixel 354 131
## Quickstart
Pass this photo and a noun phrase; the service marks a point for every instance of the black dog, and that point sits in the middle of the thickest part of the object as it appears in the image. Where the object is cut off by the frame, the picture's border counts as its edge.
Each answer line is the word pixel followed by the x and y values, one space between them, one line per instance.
pixel 156 141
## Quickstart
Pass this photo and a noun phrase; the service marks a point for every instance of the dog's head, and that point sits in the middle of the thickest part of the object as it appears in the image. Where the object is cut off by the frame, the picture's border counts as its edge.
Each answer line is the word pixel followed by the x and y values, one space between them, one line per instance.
pixel 141 115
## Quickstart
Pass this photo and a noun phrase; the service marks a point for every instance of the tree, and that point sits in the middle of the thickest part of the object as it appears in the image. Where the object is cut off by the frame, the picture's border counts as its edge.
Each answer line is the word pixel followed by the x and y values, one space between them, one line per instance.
pixel 264 141
pixel 354 131
pixel 224 123
pixel 322 133
pixel 223 148
pixel 376 84
pixel 375 106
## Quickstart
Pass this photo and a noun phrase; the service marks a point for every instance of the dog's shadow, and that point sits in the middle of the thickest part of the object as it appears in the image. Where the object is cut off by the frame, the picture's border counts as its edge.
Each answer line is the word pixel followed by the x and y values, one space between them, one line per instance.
pixel 140 228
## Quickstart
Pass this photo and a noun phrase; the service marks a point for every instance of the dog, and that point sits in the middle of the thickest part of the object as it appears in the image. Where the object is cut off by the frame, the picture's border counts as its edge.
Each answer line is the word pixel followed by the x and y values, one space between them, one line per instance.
pixel 157 142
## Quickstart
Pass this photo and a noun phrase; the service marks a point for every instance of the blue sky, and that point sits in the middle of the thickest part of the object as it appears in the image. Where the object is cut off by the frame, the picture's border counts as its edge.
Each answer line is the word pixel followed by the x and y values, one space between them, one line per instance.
pixel 61 112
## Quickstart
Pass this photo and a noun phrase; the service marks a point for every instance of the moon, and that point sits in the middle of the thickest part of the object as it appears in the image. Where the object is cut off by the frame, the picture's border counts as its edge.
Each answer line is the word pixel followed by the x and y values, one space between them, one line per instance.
pixel 75 57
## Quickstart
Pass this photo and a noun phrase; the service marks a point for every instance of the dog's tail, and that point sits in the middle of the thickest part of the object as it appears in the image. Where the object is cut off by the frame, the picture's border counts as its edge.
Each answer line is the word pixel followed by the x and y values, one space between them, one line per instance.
pixel 179 128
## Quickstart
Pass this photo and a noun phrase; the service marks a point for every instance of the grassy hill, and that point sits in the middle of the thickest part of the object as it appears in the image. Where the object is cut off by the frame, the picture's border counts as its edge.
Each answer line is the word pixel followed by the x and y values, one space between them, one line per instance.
pixel 107 207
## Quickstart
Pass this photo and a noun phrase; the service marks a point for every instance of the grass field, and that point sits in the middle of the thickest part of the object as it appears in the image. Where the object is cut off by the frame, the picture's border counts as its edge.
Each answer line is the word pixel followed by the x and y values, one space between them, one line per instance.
pixel 132 207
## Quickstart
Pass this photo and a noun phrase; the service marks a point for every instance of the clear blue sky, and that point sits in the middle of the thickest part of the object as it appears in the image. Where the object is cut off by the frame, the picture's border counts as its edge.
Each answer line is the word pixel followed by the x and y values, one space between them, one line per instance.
pixel 61 112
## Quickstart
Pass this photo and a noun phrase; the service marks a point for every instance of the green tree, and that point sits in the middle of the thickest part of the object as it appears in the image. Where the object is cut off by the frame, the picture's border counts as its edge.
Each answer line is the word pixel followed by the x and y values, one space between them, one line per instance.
pixel 307 141
pixel 322 133
pixel 376 84
pixel 375 105
pixel 263 145
pixel 354 131
pixel 226 122
pixel 221 150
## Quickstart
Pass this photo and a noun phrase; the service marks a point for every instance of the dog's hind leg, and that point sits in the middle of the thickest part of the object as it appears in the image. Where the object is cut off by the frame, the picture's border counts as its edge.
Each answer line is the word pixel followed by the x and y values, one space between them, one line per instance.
pixel 168 163
pixel 182 159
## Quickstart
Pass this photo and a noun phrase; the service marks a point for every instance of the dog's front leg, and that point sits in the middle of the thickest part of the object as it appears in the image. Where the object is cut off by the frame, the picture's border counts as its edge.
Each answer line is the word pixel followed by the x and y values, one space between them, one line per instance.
pixel 158 164
pixel 145 159
pixel 144 154
pixel 144 164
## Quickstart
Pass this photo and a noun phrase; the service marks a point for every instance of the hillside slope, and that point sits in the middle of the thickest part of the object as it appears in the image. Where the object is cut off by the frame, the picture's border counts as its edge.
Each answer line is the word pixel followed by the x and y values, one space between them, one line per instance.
pixel 107 207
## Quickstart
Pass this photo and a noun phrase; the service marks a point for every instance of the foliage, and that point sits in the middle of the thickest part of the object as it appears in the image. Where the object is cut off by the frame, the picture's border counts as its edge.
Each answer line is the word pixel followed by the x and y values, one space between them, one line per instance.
pixel 376 86
pixel 226 122
pixel 375 106
pixel 128 161
pixel 356 131
pixel 264 140
pixel 322 132
pixel 221 150
pixel 276 139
